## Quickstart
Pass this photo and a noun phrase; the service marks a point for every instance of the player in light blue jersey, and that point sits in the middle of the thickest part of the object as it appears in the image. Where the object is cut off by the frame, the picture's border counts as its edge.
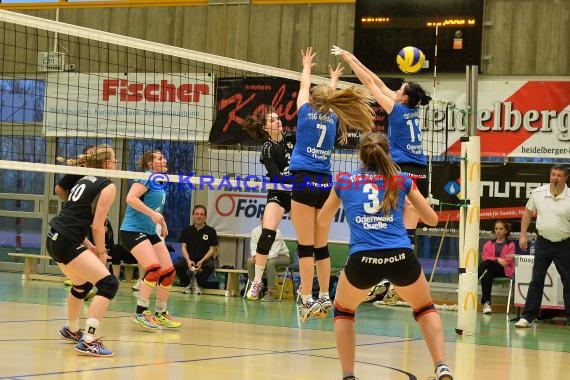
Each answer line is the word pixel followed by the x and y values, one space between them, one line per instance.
pixel 374 199
pixel 321 110
pixel 138 235
pixel 404 131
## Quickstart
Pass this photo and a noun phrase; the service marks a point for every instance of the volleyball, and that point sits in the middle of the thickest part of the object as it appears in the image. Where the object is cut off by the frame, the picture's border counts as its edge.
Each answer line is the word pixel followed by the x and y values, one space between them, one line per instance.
pixel 410 59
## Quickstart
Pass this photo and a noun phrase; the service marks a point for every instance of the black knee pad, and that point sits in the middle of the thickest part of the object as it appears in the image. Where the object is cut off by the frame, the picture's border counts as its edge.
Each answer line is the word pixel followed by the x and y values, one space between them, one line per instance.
pixel 265 241
pixel 107 287
pixel 305 250
pixel 85 287
pixel 322 253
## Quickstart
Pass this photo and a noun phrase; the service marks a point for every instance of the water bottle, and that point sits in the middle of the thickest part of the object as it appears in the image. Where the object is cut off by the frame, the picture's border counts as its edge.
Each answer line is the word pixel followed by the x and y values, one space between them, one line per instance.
pixel 532 247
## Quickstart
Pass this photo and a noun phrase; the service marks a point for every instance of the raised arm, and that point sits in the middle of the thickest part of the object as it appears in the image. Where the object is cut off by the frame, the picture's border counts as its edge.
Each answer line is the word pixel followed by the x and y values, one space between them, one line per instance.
pixel 377 81
pixel 335 74
pixel 383 95
pixel 304 94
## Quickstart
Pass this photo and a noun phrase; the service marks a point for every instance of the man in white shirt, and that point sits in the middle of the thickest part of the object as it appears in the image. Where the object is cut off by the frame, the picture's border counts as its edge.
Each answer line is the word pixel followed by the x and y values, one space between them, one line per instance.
pixel 278 256
pixel 552 205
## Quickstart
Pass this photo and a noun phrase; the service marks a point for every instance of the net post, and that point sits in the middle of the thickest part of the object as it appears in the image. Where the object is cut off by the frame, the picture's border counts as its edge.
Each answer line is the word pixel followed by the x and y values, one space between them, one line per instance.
pixel 469 215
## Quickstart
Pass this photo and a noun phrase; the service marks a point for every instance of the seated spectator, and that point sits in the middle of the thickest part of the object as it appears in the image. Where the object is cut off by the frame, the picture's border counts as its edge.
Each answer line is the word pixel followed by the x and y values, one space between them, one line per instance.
pixel 498 261
pixel 278 256
pixel 199 242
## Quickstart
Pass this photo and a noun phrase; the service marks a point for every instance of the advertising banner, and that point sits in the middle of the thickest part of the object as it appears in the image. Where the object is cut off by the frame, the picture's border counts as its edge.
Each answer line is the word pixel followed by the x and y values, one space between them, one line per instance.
pixel 515 118
pixel 135 105
pixel 504 190
pixel 238 98
pixel 553 295
pixel 239 212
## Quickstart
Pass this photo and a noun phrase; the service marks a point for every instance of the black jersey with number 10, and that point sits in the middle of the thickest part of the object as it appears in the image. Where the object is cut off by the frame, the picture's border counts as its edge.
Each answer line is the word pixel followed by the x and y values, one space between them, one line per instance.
pixel 76 216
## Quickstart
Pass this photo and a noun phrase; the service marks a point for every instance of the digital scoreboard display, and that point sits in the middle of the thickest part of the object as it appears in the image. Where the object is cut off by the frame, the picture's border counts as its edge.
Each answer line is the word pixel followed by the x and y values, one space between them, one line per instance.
pixel 383 27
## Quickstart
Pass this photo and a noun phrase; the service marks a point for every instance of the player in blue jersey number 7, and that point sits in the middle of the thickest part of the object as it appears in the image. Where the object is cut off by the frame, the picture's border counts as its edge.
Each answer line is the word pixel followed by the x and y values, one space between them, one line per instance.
pixel 321 111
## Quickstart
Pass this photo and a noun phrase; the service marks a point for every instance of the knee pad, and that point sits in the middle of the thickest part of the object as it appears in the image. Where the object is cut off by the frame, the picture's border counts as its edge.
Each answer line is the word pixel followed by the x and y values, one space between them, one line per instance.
pixel 340 313
pixel 265 241
pixel 412 235
pixel 107 287
pixel 322 253
pixel 151 275
pixel 167 278
pixel 305 250
pixel 85 290
pixel 429 308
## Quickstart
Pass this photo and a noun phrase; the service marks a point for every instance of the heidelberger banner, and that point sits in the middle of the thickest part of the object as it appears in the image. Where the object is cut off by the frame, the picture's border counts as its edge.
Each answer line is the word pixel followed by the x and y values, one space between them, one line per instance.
pixel 238 98
pixel 135 105
pixel 515 118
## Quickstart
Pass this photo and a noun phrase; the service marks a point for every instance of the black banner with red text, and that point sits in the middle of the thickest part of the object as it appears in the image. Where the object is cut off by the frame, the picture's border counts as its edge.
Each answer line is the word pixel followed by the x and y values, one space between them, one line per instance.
pixel 238 98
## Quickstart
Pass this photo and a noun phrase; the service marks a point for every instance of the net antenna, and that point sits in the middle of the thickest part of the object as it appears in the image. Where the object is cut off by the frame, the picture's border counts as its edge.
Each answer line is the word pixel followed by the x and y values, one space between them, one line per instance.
pixel 431 131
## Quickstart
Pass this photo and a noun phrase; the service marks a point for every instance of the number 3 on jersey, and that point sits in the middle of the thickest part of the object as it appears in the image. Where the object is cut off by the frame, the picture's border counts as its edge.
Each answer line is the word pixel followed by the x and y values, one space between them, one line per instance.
pixel 414 124
pixel 373 206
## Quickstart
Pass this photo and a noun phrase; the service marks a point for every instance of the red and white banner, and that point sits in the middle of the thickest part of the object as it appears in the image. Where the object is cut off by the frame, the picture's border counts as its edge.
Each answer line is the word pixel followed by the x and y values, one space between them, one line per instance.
pixel 137 105
pixel 515 118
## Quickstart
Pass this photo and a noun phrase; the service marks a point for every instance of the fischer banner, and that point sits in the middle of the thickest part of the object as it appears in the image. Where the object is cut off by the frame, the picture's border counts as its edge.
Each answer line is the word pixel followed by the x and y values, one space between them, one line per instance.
pixel 135 105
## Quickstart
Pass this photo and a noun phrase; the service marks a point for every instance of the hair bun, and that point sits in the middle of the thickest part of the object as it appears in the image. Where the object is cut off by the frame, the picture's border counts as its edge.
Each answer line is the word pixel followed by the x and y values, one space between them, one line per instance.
pixel 425 99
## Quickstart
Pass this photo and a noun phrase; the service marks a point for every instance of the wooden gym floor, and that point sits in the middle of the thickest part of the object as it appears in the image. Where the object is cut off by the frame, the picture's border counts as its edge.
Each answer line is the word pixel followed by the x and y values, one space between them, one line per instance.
pixel 230 338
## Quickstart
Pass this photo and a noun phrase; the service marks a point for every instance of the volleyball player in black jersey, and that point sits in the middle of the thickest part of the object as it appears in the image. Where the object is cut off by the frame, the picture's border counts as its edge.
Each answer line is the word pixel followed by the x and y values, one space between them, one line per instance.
pixel 62 189
pixel 275 156
pixel 66 182
pixel 86 208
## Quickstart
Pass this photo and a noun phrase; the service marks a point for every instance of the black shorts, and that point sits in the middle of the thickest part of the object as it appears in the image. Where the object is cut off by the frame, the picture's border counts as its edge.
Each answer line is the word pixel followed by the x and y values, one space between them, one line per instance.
pixel 120 255
pixel 418 173
pixel 129 239
pixel 311 189
pixel 367 268
pixel 282 198
pixel 61 249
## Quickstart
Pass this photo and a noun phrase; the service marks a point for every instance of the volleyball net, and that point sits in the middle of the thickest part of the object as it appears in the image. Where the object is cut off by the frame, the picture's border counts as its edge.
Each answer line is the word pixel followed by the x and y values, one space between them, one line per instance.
pixel 65 87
